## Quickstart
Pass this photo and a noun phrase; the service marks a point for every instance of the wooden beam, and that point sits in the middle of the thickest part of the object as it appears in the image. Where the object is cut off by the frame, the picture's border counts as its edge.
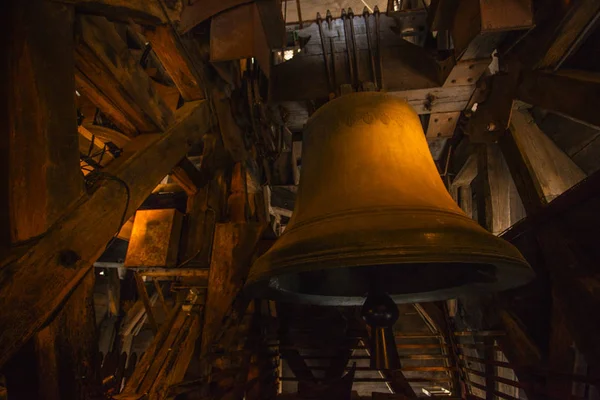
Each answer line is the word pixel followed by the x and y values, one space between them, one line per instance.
pixel 143 295
pixel 437 100
pixel 39 144
pixel 167 357
pixel 44 276
pixel 233 246
pixel 114 81
pixel 171 52
pixel 570 33
pixel 141 11
pixel 552 171
pixel 188 176
pixel 572 94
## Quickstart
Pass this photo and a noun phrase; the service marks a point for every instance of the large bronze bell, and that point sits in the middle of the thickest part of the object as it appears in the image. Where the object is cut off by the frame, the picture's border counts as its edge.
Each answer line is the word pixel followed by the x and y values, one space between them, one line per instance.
pixel 372 213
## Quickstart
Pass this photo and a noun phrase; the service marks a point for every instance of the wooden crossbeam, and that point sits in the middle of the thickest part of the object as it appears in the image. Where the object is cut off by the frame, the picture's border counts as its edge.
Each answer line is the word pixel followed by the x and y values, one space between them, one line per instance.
pixel 42 277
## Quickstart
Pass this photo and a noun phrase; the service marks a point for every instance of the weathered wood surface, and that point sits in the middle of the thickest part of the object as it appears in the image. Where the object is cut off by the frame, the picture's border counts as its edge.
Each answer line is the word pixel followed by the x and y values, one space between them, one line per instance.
pixel 140 11
pixel 499 205
pixel 233 247
pixel 143 295
pixel 166 359
pixel 40 161
pixel 114 81
pixel 552 170
pixel 39 280
pixel 174 58
pixel 570 93
pixel 566 35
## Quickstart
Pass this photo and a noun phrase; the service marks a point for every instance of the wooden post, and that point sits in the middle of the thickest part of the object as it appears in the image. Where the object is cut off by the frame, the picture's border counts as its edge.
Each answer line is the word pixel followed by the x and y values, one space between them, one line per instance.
pixel 39 140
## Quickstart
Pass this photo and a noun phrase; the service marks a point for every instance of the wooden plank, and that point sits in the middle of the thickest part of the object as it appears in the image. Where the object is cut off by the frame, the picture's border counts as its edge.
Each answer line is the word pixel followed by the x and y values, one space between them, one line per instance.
pixel 170 328
pixel 141 11
pixel 173 56
pixel 572 94
pixel 179 355
pixel 103 58
pixel 51 269
pixel 437 100
pixel 39 149
pixel 143 295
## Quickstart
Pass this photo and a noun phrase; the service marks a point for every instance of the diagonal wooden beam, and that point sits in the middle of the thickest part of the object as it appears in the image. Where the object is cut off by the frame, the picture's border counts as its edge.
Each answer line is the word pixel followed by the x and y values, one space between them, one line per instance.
pixel 35 281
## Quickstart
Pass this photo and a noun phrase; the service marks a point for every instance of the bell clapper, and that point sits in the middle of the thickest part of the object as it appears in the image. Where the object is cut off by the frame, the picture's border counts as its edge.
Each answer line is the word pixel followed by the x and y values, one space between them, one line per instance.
pixel 381 313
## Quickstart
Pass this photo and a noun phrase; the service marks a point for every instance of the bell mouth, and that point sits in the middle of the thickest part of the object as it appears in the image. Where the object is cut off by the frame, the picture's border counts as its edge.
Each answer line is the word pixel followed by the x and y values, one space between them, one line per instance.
pixel 404 283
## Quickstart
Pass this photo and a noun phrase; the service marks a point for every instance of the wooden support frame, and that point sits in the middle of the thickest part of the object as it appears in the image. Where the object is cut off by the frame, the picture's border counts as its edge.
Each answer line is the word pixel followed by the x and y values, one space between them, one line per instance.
pixel 62 257
pixel 111 78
